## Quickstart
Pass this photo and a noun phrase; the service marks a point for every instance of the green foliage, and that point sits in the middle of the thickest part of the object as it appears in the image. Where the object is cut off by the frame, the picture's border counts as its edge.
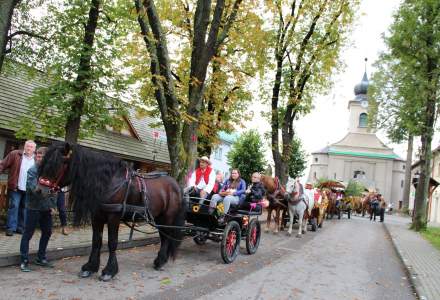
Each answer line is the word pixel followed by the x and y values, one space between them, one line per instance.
pixel 354 189
pixel 58 57
pixel 247 155
pixel 432 234
pixel 297 159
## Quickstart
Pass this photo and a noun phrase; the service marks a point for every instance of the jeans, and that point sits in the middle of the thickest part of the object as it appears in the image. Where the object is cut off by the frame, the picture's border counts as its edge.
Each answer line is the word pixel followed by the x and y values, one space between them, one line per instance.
pixel 227 201
pixel 35 217
pixel 61 205
pixel 16 211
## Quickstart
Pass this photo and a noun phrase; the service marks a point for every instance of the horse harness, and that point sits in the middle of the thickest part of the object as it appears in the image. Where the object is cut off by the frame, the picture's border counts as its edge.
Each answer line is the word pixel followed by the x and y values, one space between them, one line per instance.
pixel 135 210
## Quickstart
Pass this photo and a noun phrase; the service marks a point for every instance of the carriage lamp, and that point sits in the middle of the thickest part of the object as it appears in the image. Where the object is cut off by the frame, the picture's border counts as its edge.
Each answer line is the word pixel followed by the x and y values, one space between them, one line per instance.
pixel 245 220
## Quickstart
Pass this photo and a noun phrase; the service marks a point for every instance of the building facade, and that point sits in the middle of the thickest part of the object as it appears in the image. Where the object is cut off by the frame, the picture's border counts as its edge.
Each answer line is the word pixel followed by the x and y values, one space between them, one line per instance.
pixel 219 156
pixel 361 155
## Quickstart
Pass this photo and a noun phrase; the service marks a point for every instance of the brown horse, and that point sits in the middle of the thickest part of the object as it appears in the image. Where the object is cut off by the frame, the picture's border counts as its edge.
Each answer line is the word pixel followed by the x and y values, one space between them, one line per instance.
pixel 275 194
pixel 105 188
pixel 332 209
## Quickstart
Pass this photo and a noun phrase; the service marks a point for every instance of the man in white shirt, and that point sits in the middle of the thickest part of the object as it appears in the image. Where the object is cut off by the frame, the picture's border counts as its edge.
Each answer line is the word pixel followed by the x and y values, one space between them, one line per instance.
pixel 18 162
pixel 202 180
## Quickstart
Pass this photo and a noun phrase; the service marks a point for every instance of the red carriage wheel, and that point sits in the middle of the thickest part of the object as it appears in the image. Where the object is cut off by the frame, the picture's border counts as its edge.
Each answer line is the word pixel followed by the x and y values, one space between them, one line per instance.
pixel 253 236
pixel 230 244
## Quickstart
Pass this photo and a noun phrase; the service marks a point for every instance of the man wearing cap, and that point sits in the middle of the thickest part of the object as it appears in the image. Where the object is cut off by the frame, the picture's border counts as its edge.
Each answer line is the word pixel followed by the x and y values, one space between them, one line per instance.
pixel 203 178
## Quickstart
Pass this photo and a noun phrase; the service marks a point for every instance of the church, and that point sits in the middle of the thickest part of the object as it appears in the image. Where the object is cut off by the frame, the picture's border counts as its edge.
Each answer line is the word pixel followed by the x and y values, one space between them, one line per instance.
pixel 361 155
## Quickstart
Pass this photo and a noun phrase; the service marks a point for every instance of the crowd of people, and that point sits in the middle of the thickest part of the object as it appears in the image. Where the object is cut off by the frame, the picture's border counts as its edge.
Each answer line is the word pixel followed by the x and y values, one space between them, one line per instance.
pixel 27 209
pixel 378 206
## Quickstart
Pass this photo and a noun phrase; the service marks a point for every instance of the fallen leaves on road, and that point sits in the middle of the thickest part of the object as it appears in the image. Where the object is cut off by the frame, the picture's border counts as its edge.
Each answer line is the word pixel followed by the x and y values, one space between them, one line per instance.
pixel 165 281
pixel 72 281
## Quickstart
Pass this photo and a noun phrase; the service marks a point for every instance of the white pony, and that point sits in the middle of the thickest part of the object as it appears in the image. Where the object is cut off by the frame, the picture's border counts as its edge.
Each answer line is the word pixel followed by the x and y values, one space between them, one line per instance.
pixel 298 203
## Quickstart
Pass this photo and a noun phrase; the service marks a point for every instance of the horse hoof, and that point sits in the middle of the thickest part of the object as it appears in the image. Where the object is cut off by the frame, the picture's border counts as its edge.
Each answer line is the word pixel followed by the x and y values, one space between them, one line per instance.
pixel 266 230
pixel 289 234
pixel 106 277
pixel 85 274
pixel 298 235
pixel 275 232
pixel 304 232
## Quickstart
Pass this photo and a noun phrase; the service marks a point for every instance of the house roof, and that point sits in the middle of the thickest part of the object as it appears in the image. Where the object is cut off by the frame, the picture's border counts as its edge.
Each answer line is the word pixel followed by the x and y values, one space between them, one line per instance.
pixel 16 88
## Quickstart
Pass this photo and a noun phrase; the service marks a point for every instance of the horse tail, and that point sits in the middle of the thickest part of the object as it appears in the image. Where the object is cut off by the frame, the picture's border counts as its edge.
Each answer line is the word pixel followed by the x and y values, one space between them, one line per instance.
pixel 176 233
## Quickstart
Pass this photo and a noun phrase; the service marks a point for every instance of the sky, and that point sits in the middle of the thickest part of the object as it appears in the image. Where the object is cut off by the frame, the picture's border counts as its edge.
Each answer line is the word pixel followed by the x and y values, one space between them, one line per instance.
pixel 328 121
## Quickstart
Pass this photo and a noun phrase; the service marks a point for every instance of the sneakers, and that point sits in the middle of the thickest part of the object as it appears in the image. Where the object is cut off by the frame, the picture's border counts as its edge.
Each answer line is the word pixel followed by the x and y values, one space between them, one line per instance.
pixel 43 263
pixel 9 232
pixel 24 267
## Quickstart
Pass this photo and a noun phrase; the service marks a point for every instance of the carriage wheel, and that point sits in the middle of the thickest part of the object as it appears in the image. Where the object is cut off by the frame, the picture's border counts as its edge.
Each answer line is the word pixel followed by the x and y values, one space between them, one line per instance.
pixel 253 236
pixel 231 242
pixel 200 240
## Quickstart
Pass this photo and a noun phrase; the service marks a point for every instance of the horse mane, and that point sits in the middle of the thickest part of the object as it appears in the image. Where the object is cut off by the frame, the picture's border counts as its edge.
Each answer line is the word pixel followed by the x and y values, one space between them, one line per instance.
pixel 91 174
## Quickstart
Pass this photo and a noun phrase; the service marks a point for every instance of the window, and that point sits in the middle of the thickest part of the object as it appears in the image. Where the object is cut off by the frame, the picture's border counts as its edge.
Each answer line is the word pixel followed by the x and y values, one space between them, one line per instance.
pixel 363 120
pixel 403 167
pixel 314 175
pixel 316 159
pixel 334 176
pixel 218 153
pixel 358 174
pixel 401 183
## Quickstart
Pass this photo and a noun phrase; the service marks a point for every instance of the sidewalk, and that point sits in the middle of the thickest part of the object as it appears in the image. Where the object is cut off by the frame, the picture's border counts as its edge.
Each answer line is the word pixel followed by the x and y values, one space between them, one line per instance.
pixel 420 258
pixel 78 242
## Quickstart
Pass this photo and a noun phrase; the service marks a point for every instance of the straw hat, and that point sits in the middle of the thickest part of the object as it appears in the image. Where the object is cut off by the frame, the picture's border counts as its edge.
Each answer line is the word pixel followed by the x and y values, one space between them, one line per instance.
pixel 205 159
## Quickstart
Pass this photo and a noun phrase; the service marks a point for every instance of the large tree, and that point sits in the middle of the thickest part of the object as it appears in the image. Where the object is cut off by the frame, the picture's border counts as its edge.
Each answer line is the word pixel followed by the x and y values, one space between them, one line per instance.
pixel 413 45
pixel 6 10
pixel 307 42
pixel 247 155
pixel 207 31
pixel 391 95
pixel 80 61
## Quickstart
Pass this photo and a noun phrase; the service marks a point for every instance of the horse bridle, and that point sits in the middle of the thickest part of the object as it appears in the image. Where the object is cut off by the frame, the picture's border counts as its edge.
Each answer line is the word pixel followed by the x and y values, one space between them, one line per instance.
pixel 54 186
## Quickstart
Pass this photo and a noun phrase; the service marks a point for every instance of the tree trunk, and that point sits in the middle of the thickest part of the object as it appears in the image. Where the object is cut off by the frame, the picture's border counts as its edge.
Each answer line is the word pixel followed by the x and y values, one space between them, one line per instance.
pixel 82 82
pixel 407 186
pixel 422 190
pixel 6 10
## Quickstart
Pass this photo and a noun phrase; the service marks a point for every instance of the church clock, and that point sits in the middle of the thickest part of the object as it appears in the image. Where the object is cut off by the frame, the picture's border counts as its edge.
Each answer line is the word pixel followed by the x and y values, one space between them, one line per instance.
pixel 364 104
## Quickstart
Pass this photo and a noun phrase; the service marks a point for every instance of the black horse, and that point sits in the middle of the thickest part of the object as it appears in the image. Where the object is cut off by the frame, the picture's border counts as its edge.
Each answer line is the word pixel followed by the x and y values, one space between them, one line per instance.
pixel 102 187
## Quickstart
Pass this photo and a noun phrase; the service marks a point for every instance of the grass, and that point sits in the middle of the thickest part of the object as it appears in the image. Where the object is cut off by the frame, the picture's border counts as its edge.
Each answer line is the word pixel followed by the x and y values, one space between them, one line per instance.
pixel 432 234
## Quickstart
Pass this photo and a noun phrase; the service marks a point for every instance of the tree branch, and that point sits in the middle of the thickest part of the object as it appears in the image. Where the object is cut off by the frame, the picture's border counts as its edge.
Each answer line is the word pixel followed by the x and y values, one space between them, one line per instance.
pixel 24 32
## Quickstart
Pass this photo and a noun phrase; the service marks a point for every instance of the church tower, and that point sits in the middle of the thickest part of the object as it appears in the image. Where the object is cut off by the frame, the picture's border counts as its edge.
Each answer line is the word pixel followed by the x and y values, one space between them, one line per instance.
pixel 358 108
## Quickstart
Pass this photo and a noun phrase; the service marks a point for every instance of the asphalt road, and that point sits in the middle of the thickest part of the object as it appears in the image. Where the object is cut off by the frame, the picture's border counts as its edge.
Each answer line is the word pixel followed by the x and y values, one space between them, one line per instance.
pixel 347 259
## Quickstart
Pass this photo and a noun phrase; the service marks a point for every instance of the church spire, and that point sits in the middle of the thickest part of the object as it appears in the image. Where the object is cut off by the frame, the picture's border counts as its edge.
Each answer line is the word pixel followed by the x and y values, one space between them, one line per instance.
pixel 361 89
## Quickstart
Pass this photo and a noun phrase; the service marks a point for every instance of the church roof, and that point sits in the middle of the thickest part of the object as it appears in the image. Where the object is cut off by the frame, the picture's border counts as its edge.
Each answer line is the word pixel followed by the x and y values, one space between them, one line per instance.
pixel 360 145
pixel 361 89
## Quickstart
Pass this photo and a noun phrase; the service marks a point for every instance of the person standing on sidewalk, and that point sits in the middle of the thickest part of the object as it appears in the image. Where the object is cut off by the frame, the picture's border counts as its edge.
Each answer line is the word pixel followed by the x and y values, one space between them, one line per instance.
pixel 18 163
pixel 38 212
pixel 382 206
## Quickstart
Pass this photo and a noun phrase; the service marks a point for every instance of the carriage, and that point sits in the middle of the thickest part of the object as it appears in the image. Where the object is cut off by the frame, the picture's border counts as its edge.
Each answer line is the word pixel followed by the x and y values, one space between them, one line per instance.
pixel 238 225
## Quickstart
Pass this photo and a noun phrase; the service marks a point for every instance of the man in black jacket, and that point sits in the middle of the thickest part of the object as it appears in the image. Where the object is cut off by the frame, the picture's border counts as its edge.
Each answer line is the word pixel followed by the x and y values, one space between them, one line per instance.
pixel 38 211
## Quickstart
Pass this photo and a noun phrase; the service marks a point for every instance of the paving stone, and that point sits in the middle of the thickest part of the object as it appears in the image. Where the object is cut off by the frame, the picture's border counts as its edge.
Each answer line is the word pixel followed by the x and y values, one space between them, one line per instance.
pixel 420 258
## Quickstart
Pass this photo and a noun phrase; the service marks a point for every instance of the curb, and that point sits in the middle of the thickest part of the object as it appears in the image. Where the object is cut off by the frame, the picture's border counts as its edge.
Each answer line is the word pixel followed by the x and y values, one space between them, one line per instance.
pixel 77 250
pixel 412 275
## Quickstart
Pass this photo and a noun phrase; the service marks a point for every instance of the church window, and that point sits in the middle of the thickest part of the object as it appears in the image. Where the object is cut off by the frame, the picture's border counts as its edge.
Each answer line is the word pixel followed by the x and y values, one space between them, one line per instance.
pixel 403 167
pixel 363 120
pixel 314 175
pixel 316 159
pixel 334 176
pixel 401 183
